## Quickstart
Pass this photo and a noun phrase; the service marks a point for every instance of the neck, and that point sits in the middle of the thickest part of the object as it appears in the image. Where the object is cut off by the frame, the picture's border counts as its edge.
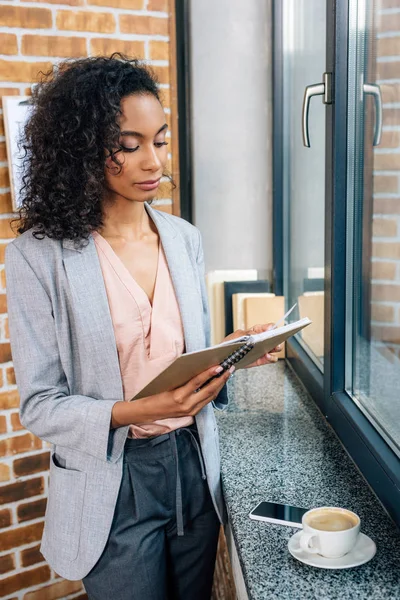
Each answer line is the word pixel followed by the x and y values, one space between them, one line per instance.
pixel 126 219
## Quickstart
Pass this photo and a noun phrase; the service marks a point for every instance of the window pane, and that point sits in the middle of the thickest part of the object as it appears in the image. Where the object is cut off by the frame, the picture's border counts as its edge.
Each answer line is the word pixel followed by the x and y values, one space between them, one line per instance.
pixel 304 27
pixel 373 353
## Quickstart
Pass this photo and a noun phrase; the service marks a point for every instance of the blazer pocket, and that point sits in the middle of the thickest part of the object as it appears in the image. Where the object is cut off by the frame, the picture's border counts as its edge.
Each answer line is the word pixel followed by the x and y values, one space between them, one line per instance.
pixel 64 511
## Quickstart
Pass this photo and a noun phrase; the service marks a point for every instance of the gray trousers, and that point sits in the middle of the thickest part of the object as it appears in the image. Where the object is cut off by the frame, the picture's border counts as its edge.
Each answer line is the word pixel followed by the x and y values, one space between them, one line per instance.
pixel 162 490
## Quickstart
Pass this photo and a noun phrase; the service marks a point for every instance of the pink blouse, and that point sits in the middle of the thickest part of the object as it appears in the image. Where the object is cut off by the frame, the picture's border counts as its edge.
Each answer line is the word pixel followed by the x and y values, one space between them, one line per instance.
pixel 148 336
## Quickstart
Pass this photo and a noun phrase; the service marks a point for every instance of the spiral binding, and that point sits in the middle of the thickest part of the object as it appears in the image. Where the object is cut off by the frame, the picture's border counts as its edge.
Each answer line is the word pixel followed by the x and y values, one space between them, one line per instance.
pixel 236 356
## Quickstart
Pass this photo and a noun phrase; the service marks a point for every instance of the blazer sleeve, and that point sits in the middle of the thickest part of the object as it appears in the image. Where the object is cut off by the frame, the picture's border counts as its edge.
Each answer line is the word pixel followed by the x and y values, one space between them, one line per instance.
pixel 221 401
pixel 46 407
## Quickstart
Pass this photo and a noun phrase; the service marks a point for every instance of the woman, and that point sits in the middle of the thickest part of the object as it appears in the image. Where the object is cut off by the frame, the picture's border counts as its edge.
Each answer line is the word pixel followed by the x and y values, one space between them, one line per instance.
pixel 104 293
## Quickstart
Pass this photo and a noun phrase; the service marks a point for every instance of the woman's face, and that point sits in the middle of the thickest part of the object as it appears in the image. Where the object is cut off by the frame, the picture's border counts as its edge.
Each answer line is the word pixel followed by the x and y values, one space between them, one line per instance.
pixel 144 150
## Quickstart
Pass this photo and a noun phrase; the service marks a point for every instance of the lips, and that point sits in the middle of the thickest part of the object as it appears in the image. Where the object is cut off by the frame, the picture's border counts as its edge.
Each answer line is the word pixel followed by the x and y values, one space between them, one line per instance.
pixel 148 185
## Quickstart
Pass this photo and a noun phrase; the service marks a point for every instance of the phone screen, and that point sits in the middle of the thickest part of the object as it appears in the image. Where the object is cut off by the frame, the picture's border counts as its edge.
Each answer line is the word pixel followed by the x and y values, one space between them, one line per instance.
pixel 280 512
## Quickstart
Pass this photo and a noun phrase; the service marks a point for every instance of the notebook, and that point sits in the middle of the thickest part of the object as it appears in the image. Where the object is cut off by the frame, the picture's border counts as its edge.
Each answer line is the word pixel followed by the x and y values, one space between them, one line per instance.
pixel 240 352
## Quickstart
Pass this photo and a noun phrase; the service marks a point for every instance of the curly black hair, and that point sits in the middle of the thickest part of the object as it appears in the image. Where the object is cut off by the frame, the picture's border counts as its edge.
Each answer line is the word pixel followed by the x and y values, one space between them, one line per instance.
pixel 73 125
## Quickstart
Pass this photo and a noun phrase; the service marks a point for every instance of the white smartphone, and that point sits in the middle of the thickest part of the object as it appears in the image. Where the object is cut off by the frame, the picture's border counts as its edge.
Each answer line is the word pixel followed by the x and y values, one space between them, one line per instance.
pixel 283 514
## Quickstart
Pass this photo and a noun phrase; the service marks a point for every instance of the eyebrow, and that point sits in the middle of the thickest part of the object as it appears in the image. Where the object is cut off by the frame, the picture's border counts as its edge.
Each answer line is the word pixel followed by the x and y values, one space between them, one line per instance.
pixel 140 135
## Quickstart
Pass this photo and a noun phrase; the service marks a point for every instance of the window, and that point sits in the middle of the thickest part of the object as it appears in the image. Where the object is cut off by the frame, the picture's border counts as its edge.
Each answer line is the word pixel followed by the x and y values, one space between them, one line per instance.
pixel 373 200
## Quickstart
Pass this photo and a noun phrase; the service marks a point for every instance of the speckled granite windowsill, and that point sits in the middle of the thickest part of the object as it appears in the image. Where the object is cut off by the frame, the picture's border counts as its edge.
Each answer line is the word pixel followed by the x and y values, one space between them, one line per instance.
pixel 275 445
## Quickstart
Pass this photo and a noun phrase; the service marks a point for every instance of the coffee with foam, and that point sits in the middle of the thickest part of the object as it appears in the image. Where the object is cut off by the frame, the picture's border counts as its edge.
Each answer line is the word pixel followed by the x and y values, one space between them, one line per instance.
pixel 331 520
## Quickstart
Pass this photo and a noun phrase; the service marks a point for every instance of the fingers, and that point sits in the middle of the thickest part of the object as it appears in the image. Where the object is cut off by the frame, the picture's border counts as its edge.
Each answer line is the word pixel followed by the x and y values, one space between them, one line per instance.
pixel 260 328
pixel 201 379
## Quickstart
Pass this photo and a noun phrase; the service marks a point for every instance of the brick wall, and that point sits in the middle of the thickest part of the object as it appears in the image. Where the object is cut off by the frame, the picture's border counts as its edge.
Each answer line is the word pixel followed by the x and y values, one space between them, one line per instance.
pixel 385 308
pixel 33 35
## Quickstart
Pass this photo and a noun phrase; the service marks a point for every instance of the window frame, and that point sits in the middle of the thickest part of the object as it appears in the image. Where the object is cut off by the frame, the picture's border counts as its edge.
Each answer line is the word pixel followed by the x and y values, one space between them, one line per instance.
pixel 375 459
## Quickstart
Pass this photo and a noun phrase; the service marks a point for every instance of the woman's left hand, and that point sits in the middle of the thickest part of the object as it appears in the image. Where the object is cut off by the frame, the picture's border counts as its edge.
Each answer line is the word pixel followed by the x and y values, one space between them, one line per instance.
pixel 267 358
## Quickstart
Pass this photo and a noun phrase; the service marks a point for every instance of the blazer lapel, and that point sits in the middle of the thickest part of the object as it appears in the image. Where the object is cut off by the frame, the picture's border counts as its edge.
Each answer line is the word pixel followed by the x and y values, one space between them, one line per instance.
pixel 184 279
pixel 92 313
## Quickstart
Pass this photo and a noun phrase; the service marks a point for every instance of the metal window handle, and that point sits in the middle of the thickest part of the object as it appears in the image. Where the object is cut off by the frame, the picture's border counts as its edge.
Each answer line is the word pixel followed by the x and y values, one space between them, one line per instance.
pixel 319 89
pixel 374 90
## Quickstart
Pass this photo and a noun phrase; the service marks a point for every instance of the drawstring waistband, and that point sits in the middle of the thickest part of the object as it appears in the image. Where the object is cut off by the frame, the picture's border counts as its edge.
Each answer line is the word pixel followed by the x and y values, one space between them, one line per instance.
pixel 179 507
pixel 172 437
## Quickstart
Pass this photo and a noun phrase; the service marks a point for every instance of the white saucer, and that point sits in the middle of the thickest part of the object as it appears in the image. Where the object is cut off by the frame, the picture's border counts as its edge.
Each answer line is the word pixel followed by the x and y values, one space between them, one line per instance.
pixel 362 552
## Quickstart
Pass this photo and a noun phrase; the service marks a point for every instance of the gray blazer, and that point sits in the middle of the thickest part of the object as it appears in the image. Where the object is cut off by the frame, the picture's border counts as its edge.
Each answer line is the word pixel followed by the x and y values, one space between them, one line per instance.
pixel 68 377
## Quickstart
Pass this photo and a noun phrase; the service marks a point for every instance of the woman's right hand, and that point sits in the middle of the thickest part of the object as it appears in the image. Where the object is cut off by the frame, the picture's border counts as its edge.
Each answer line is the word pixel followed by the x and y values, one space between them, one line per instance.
pixel 184 401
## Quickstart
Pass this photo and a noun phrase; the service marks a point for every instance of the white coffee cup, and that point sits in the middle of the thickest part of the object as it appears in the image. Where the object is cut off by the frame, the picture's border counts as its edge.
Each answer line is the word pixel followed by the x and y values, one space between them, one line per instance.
pixel 329 531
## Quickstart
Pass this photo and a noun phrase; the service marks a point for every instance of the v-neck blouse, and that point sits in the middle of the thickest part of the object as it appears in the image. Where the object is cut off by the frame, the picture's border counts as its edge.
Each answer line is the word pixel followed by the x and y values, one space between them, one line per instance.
pixel 148 336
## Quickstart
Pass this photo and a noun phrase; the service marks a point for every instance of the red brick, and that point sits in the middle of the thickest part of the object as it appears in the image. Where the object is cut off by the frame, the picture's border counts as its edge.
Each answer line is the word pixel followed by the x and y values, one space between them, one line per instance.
pixel 3 424
pixel 5 518
pixel 37 463
pixel 85 21
pixel 8 399
pixel 25 579
pixel 5 229
pixel 382 312
pixel 165 97
pixel 388 70
pixel 19 444
pixel 391 117
pixel 130 4
pixel 31 556
pixel 19 71
pixel 390 139
pixel 384 227
pixel 6 331
pixel 15 422
pixel 10 375
pixel 31 510
pixel 4 472
pixel 386 184
pixel 158 5
pixel 9 92
pixel 161 73
pixel 107 46
pixel 159 50
pixel 21 490
pixel 21 535
pixel 390 92
pixel 69 2
pixel 386 250
pixel 383 270
pixel 8 43
pixel 390 161
pixel 61 589
pixel 3 152
pixel 389 46
pixel 390 22
pixel 386 333
pixel 4 176
pixel 18 16
pixel 389 206
pixel 3 309
pixel 53 45
pixel 7 563
pixel 385 292
pixel 143 25
pixel 2 252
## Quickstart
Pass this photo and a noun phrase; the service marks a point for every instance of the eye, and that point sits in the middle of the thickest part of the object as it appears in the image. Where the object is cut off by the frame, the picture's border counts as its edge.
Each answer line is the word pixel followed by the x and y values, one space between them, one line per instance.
pixel 159 144
pixel 128 148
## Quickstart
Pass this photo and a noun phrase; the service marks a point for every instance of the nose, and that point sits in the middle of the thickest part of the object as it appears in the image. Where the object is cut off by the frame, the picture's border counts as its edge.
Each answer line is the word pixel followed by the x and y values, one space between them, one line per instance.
pixel 151 160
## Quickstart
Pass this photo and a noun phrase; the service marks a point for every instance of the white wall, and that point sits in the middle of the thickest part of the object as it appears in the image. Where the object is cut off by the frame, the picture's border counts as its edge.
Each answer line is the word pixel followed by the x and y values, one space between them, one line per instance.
pixel 231 129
